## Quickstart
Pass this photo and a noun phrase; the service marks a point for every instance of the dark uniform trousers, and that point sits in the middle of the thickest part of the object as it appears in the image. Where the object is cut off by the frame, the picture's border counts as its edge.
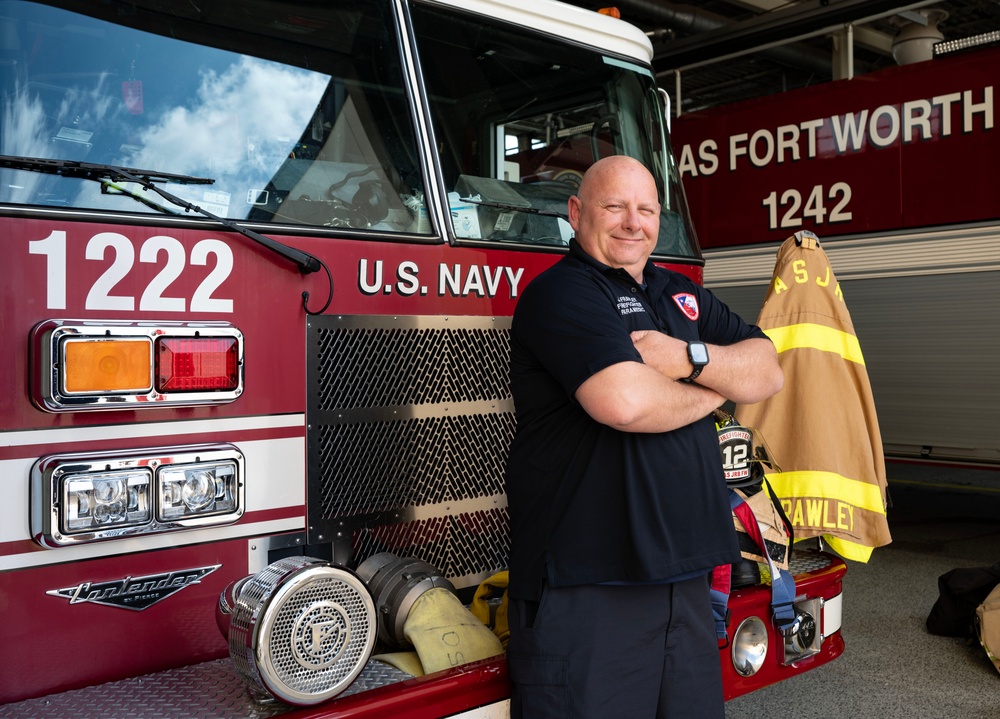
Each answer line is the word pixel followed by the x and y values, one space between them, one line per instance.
pixel 636 651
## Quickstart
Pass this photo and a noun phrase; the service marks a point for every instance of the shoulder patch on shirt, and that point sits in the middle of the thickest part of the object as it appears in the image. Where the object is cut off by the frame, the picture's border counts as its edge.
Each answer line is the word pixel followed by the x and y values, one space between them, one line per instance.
pixel 688 304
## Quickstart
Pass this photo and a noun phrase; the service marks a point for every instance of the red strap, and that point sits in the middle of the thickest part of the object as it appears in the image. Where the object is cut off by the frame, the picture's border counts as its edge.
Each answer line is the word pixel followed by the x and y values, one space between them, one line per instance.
pixel 749 521
pixel 721 578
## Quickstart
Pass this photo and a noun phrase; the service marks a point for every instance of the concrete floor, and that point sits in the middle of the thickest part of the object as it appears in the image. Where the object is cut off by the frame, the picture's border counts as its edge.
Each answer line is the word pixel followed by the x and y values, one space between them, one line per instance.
pixel 893 668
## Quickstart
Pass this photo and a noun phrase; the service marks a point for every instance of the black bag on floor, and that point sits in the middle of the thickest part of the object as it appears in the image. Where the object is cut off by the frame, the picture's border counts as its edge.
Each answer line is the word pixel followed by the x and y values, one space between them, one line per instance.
pixel 961 591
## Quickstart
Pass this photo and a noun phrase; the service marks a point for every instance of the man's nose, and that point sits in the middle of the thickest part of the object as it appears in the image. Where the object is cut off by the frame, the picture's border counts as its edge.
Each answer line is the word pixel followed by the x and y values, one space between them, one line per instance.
pixel 631 220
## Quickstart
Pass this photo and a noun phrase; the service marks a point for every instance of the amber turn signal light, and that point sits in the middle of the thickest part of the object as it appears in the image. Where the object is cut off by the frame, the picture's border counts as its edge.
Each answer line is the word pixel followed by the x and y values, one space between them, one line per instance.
pixel 106 365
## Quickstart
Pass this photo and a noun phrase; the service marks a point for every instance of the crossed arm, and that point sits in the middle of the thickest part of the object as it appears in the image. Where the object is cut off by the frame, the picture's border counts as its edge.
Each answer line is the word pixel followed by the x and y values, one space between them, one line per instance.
pixel 647 396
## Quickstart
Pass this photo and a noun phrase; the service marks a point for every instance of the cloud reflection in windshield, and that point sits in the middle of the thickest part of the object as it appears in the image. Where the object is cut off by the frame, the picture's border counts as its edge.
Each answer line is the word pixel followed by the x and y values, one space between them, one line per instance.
pixel 233 115
pixel 237 126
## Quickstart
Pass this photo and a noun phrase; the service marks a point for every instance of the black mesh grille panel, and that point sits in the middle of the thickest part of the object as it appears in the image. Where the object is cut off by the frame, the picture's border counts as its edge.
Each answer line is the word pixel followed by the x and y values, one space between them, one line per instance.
pixel 389 367
pixel 409 427
pixel 460 545
pixel 370 467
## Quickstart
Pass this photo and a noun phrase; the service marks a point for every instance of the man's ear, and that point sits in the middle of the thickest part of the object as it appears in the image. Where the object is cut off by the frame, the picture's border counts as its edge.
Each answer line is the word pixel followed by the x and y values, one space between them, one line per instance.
pixel 573 210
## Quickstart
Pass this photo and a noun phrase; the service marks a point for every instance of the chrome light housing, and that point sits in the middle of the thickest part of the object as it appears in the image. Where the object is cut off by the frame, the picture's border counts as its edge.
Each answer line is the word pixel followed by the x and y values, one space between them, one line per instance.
pixel 805 638
pixel 749 647
pixel 88 496
pixel 99 365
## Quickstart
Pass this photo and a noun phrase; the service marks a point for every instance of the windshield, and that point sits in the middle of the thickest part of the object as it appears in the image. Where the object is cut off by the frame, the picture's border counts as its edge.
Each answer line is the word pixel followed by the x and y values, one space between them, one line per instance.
pixel 296 110
pixel 519 117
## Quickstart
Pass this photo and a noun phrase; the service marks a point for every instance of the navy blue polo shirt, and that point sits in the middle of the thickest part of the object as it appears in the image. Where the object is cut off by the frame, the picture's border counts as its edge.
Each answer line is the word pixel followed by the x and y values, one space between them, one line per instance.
pixel 591 504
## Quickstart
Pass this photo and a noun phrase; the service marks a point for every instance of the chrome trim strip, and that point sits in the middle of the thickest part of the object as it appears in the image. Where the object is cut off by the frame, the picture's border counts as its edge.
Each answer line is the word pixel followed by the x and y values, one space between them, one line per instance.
pixel 50 338
pixel 68 435
pixel 437 210
pixel 169 540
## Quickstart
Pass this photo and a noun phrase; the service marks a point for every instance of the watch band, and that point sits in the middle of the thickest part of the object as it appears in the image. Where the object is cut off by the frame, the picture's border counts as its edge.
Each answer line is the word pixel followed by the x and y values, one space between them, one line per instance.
pixel 694 375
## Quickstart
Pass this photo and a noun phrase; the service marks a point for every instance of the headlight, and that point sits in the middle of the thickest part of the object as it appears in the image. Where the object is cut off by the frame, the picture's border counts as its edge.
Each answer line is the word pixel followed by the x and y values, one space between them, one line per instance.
pixel 105 500
pixel 749 646
pixel 82 497
pixel 196 490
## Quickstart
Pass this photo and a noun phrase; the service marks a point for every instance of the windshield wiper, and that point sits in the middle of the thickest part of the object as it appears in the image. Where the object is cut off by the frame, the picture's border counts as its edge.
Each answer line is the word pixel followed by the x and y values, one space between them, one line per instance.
pixel 146 178
pixel 91 171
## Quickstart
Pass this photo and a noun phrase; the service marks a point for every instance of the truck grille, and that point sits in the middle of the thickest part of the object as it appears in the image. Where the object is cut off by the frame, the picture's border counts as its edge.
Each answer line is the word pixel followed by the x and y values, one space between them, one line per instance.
pixel 410 422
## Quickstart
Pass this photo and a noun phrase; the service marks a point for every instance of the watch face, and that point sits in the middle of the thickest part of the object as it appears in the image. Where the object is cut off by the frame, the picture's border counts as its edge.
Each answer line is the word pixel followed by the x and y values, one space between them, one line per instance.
pixel 698 353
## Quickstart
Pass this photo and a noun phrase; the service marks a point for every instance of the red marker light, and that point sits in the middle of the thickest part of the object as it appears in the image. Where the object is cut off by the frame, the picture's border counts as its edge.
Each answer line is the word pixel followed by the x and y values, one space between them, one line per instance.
pixel 197 364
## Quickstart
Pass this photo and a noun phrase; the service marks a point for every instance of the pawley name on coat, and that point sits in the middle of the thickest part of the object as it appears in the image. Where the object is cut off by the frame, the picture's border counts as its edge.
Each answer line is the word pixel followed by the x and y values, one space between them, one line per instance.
pixel 819 513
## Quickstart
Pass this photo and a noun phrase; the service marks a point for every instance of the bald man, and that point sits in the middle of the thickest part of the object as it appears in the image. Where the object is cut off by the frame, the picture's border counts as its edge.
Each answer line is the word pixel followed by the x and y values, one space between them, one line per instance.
pixel 618 504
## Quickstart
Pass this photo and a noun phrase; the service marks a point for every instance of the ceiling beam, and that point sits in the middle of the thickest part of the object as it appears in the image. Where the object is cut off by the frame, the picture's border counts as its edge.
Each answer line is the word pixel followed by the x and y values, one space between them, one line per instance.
pixel 778 27
pixel 866 37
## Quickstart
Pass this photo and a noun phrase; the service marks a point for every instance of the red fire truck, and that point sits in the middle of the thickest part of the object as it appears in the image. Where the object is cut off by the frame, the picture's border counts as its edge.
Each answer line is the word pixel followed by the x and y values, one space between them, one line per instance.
pixel 896 171
pixel 260 262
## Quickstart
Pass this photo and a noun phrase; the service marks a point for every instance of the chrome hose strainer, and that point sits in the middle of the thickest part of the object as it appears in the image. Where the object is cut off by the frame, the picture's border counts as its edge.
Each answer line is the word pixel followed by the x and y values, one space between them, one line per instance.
pixel 300 630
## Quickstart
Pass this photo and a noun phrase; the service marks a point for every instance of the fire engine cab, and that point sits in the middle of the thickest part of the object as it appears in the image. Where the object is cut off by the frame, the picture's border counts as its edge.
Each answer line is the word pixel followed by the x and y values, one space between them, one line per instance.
pixel 260 263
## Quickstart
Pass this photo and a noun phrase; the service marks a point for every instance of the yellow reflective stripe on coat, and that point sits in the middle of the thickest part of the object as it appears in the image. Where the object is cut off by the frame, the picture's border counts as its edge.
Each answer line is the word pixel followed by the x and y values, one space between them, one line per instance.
pixel 828 485
pixel 820 337
pixel 848 550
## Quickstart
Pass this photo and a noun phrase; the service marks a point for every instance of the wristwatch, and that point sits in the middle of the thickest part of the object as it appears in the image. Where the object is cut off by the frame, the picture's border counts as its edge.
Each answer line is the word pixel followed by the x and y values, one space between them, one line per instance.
pixel 698 354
